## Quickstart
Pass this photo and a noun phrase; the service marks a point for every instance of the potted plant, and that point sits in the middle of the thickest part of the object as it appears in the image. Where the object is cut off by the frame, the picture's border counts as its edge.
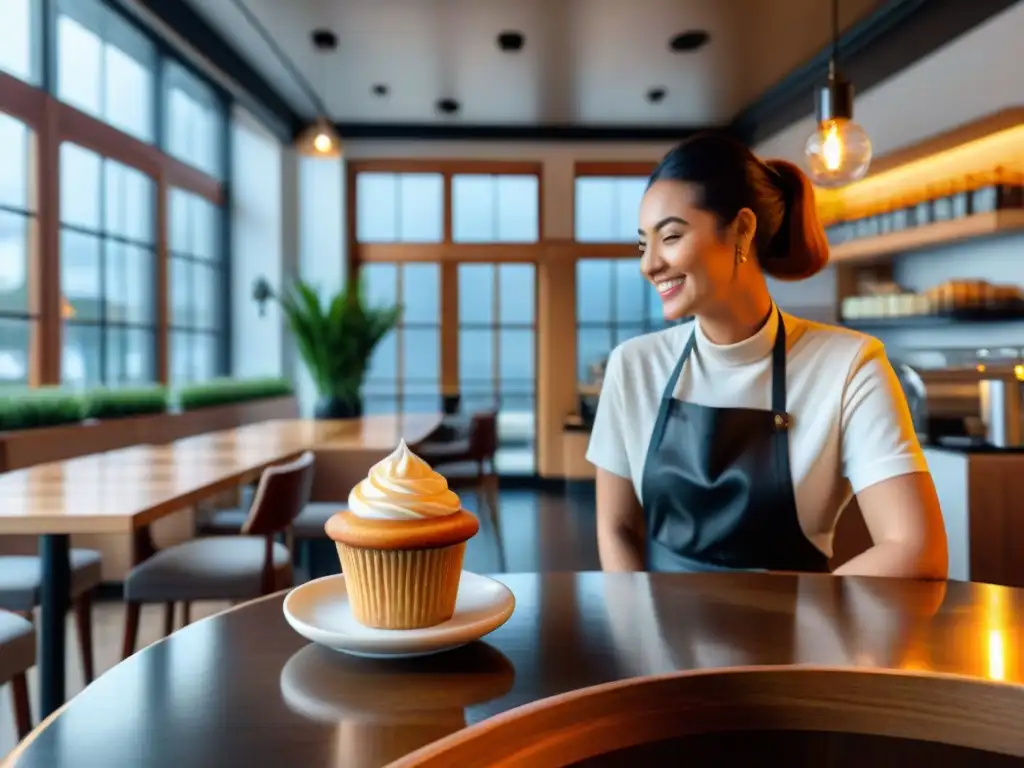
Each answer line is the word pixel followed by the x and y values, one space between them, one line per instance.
pixel 335 340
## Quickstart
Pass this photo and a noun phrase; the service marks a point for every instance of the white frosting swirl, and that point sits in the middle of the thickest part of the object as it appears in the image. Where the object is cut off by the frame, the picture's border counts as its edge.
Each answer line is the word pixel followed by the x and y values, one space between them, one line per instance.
pixel 403 487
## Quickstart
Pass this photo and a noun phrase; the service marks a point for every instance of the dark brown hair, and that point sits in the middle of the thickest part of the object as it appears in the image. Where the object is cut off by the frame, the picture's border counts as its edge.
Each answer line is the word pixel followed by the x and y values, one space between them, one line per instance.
pixel 789 242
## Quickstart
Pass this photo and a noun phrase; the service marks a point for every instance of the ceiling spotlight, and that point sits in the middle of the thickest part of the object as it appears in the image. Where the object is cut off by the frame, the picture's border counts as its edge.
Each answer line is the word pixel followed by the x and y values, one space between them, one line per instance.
pixel 511 41
pixel 448 106
pixel 324 39
pixel 688 41
pixel 380 89
pixel 656 95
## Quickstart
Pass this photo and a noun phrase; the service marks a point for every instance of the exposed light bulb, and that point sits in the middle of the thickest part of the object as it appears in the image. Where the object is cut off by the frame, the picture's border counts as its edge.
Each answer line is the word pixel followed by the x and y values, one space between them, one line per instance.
pixel 322 142
pixel 838 153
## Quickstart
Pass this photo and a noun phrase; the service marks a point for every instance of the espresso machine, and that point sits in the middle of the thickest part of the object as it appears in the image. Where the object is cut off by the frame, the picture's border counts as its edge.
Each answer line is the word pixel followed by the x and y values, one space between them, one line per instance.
pixel 973 402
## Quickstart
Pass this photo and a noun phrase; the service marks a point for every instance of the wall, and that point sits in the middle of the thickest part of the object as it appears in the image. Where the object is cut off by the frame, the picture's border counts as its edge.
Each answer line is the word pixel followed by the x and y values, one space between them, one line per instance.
pixel 975 75
pixel 321 243
pixel 257 245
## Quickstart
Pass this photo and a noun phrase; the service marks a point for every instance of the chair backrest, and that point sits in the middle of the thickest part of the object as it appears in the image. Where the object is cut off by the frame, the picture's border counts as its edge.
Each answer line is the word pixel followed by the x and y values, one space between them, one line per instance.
pixel 282 493
pixel 483 435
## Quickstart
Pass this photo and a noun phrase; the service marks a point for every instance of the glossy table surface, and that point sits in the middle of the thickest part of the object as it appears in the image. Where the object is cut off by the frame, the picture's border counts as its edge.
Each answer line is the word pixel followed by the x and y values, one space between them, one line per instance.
pixel 242 688
pixel 117 491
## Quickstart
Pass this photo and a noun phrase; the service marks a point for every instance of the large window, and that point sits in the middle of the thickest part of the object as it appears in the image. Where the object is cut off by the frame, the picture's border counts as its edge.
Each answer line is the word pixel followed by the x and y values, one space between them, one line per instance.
pixel 19 38
pixel 495 208
pixel 607 208
pixel 17 229
pixel 496 354
pixel 613 303
pixel 197 289
pixel 196 120
pixel 399 207
pixel 105 67
pixel 405 372
pixel 107 250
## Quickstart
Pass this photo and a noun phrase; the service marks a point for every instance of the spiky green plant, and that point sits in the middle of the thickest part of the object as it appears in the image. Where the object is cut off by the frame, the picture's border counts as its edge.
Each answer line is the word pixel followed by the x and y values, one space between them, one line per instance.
pixel 336 338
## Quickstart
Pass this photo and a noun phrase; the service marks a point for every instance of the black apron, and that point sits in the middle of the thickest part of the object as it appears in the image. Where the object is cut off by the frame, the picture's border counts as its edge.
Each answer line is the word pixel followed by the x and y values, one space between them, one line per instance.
pixel 717 487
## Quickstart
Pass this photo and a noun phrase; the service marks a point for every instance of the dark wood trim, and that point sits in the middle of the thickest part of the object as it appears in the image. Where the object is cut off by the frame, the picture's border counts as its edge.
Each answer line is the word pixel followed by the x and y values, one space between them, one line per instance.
pixel 447 166
pixel 606 168
pixel 890 39
pixel 468 132
pixel 21 100
pixel 45 352
pixel 163 284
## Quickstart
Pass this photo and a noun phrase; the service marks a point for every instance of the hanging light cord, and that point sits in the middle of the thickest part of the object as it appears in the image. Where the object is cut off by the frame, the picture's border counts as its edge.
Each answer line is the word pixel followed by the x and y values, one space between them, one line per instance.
pixel 835 40
pixel 282 57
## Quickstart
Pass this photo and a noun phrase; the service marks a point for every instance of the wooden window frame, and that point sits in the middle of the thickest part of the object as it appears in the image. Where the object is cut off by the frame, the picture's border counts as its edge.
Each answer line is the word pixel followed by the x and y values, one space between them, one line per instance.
pixel 53 123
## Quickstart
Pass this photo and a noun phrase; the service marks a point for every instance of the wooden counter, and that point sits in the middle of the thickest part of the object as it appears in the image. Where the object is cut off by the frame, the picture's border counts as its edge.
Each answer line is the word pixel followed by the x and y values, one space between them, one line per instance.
pixel 939 663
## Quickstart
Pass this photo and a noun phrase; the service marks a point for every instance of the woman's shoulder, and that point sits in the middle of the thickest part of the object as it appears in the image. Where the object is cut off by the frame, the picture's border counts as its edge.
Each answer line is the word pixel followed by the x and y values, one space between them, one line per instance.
pixel 829 343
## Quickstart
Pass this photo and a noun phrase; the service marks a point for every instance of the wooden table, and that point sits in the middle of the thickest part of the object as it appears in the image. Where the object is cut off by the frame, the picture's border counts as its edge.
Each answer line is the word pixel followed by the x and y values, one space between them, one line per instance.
pixel 125 491
pixel 241 688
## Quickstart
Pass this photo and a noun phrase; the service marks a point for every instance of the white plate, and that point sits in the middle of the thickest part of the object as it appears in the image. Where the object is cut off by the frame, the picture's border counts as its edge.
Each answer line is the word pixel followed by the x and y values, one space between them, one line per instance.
pixel 319 610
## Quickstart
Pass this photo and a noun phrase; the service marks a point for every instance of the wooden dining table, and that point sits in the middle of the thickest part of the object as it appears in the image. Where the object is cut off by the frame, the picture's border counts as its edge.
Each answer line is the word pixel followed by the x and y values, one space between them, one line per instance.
pixel 127 490
pixel 242 688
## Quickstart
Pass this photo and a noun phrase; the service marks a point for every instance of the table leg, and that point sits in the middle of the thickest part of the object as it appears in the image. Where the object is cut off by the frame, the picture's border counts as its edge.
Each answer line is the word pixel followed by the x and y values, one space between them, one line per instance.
pixel 56 597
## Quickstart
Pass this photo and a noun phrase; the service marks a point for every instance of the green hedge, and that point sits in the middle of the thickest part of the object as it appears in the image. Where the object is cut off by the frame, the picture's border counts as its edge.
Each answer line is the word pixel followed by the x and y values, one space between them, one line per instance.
pixel 24 408
pixel 124 402
pixel 227 391
pixel 43 407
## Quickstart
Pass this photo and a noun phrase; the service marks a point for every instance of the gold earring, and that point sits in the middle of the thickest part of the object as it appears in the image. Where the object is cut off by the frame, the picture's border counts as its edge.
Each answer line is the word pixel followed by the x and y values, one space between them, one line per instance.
pixel 740 256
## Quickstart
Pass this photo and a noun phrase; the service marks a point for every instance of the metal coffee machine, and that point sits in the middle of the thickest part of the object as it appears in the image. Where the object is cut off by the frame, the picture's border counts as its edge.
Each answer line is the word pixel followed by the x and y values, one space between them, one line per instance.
pixel 976 403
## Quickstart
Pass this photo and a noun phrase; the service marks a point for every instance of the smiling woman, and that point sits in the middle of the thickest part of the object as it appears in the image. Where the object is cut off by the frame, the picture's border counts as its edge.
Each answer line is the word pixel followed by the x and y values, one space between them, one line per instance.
pixel 733 442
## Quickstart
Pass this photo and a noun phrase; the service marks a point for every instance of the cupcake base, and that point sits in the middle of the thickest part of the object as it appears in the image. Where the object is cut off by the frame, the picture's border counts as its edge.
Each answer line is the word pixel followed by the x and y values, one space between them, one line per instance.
pixel 402 588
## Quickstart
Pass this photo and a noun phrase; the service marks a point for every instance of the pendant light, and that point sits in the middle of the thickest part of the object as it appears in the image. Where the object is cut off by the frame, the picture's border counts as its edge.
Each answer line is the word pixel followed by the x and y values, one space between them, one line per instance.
pixel 839 150
pixel 319 139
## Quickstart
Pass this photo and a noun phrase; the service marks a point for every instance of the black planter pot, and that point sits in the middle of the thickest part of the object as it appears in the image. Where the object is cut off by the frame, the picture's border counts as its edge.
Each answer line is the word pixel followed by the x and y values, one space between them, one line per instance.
pixel 338 408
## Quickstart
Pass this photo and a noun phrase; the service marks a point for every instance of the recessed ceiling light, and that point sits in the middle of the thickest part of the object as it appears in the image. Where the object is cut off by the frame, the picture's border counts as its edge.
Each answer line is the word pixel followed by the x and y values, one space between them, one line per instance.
pixel 690 40
pixel 448 106
pixel 510 41
pixel 324 39
pixel 380 89
pixel 656 95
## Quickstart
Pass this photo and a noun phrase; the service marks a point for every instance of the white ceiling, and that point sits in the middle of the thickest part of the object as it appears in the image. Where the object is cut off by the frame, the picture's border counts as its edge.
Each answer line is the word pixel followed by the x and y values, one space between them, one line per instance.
pixel 585 62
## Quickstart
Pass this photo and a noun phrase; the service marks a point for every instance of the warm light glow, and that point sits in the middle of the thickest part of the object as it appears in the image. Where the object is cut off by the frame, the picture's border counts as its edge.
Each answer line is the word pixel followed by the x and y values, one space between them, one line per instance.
pixel 979 157
pixel 980 368
pixel 999 634
pixel 322 143
pixel 832 148
pixel 319 140
pixel 996 655
pixel 1018 371
pixel 838 153
pixel 66 310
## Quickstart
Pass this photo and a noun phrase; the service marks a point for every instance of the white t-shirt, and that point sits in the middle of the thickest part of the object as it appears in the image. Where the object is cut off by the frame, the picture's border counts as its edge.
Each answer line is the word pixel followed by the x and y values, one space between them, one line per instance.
pixel 850 426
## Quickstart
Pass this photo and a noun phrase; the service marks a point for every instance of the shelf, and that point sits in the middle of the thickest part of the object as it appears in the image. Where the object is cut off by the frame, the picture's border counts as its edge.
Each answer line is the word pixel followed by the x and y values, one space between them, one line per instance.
pixel 934 321
pixel 937 234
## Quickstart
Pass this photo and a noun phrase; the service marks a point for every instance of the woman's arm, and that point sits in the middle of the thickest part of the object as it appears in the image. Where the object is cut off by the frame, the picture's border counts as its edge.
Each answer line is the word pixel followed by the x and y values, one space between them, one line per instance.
pixel 883 461
pixel 620 524
pixel 905 522
pixel 620 520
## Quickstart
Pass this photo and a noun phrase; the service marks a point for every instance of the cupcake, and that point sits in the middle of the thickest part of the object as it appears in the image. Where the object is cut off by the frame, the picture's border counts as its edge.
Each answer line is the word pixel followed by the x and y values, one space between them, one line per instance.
pixel 401 543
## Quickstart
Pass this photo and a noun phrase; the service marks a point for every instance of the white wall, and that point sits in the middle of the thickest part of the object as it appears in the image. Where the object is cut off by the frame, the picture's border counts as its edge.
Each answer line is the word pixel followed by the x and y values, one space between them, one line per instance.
pixel 980 73
pixel 257 246
pixel 321 242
